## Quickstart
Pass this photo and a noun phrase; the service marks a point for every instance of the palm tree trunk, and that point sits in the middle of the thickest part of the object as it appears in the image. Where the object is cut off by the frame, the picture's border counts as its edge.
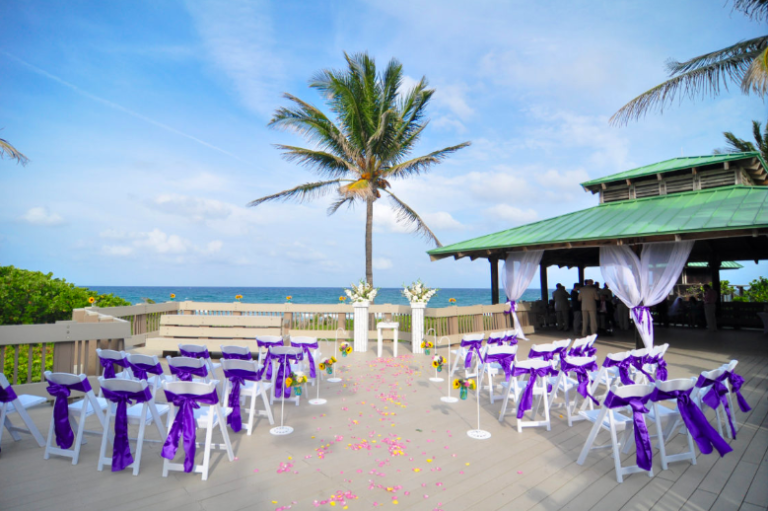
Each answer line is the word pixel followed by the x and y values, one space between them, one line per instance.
pixel 369 241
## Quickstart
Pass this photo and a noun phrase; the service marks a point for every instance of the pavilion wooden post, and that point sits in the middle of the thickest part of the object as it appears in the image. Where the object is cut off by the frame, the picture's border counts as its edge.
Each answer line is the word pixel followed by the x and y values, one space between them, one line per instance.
pixel 714 265
pixel 494 279
pixel 544 285
pixel 581 275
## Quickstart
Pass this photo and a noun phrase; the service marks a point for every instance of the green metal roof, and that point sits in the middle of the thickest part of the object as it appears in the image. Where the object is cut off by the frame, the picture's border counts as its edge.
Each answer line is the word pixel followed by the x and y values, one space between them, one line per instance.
pixel 714 209
pixel 673 165
pixel 725 265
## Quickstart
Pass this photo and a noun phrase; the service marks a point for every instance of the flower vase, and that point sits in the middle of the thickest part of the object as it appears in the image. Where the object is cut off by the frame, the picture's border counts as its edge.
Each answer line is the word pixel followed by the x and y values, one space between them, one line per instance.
pixel 440 369
pixel 344 353
pixel 463 393
pixel 298 390
pixel 426 351
pixel 329 370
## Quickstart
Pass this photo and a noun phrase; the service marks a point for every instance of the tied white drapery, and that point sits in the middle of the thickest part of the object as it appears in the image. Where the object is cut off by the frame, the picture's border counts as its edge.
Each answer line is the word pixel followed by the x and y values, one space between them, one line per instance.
pixel 645 281
pixel 519 268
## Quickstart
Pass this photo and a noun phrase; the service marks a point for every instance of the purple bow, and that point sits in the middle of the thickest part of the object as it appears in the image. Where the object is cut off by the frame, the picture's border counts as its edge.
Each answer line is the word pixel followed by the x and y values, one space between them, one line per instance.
pixel 268 344
pixel 195 354
pixel 184 425
pixel 7 395
pixel 623 366
pixel 62 427
pixel 184 373
pixel 472 346
pixel 661 366
pixel 705 435
pixel 718 394
pixel 582 351
pixel 497 341
pixel 546 355
pixel 283 359
pixel 511 309
pixel 236 356
pixel 307 349
pixel 505 360
pixel 238 377
pixel 121 449
pixel 582 375
pixel 642 312
pixel 638 362
pixel 109 366
pixel 642 438
pixel 141 370
pixel 526 400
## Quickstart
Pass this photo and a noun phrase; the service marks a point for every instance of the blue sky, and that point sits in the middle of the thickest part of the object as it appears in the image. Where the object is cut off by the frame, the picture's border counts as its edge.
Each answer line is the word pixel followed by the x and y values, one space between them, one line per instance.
pixel 145 124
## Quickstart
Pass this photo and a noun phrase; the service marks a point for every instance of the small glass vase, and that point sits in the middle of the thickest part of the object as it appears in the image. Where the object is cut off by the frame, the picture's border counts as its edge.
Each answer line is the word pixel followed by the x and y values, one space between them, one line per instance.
pixel 329 370
pixel 463 393
pixel 344 353
pixel 297 390
pixel 426 351
pixel 440 368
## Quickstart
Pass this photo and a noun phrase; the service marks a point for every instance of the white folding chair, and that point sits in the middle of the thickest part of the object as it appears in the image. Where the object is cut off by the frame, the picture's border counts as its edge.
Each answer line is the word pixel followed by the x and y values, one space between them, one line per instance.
pixel 669 391
pixel 188 369
pixel 264 342
pixel 147 367
pixel 655 360
pixel 637 372
pixel 609 373
pixel 207 417
pixel 136 414
pixel 538 371
pixel 612 420
pixel 492 367
pixel 10 403
pixel 577 349
pixel 231 352
pixel 198 351
pixel 573 371
pixel 110 361
pixel 82 409
pixel 460 355
pixel 249 388
pixel 312 354
pixel 718 382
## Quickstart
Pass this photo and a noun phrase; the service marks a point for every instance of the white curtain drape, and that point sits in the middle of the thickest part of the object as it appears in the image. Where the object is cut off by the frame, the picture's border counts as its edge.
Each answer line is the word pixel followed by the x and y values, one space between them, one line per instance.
pixel 519 268
pixel 645 281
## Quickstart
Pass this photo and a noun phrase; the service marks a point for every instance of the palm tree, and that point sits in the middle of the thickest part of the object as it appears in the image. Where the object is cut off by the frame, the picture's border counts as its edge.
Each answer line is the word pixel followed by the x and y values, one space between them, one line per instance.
pixel 744 63
pixel 13 153
pixel 368 145
pixel 735 144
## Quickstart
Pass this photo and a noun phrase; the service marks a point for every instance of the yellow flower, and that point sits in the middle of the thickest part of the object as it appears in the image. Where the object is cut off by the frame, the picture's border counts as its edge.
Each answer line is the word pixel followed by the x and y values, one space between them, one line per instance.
pixel 349 349
pixel 288 297
pixel 321 366
pixel 435 363
pixel 173 295
pixel 238 297
pixel 472 384
pixel 451 300
pixel 333 360
pixel 288 382
pixel 342 298
pixel 91 299
pixel 456 384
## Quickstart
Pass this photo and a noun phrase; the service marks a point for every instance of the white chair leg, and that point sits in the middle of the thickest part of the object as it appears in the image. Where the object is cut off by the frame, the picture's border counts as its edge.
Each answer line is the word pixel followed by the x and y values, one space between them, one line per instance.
pixel 615 449
pixel 157 420
pixel 252 410
pixel 3 413
pixel 225 433
pixel 49 441
pixel 207 448
pixel 660 436
pixel 81 430
pixel 104 436
pixel 267 407
pixel 140 440
pixel 28 421
pixel 592 436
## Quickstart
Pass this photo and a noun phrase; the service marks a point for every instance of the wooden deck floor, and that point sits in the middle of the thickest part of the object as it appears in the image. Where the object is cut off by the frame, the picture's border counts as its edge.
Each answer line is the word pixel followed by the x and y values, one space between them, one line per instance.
pixel 390 402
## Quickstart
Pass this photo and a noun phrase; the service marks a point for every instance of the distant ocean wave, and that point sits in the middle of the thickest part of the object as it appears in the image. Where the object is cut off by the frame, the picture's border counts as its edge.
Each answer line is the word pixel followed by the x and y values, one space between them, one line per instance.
pixel 318 295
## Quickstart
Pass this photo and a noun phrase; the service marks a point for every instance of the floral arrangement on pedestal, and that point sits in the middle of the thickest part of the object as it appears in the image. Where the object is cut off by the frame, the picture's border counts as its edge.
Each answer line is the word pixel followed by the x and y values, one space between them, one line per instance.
pixel 464 384
pixel 437 362
pixel 345 349
pixel 288 298
pixel 417 292
pixel 327 365
pixel 238 297
pixel 173 296
pixel 426 346
pixel 295 381
pixel 451 300
pixel 342 299
pixel 362 292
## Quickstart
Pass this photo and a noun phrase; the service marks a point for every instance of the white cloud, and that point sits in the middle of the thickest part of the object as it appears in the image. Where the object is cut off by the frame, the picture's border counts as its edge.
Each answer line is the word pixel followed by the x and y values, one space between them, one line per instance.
pixel 441 220
pixel 453 97
pixel 162 243
pixel 117 250
pixel 156 242
pixel 196 208
pixel 567 180
pixel 41 216
pixel 382 263
pixel 512 214
pixel 385 219
pixel 449 123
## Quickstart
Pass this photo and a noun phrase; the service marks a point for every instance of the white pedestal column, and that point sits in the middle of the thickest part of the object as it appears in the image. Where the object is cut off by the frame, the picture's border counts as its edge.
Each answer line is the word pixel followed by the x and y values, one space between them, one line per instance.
pixel 417 326
pixel 361 326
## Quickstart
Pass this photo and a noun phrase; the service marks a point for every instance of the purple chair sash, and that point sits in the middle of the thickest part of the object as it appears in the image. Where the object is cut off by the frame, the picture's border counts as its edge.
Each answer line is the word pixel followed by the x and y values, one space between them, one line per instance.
pixel 7 395
pixel 661 366
pixel 196 354
pixel 511 304
pixel 238 377
pixel 472 346
pixel 121 448
pixel 582 375
pixel 638 362
pixel 510 340
pixel 718 394
pixel 526 400
pixel 188 373
pixel 142 371
pixel 307 349
pixel 237 356
pixel 705 435
pixel 642 438
pixel 269 344
pixel 284 360
pixel 505 360
pixel 582 351
pixel 546 355
pixel 109 366
pixel 623 366
pixel 61 425
pixel 184 425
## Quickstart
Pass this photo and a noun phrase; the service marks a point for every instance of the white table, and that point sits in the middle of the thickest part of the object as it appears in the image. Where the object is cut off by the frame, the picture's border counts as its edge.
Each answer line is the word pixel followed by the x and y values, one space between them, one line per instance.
pixel 388 325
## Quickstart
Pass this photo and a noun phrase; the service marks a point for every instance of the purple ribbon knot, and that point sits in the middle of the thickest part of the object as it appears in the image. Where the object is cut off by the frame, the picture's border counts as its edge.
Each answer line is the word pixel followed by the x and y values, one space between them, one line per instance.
pixel 61 425
pixel 505 360
pixel 471 346
pixel 307 349
pixel 109 366
pixel 195 354
pixel 121 449
pixel 642 438
pixel 638 363
pixel 661 366
pixel 141 371
pixel 184 425
pixel 237 377
pixel 185 373
pixel 7 395
pixel 718 393
pixel 582 375
pixel 526 400
pixel 237 356
pixel 623 366
pixel 512 308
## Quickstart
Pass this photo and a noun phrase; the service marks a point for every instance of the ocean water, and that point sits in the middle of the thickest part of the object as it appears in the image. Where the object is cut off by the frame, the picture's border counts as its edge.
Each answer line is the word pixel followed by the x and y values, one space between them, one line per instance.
pixel 318 295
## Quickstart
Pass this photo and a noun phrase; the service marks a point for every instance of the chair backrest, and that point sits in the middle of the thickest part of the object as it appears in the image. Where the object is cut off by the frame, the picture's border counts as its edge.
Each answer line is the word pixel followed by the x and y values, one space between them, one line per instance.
pixel 533 363
pixel 544 348
pixel 661 349
pixel 303 340
pixel 626 391
pixel 190 387
pixel 562 344
pixel 4 381
pixel 580 343
pixel 715 373
pixel 236 350
pixel 473 337
pixel 494 349
pixel 135 358
pixel 496 335
pixel 110 354
pixel 579 361
pixel 509 333
pixel 116 385
pixel 194 363
pixel 732 365
pixel 592 338
pixel 679 384
pixel 282 350
pixel 640 353
pixel 244 365
pixel 269 338
pixel 618 357
pixel 193 348
pixel 64 378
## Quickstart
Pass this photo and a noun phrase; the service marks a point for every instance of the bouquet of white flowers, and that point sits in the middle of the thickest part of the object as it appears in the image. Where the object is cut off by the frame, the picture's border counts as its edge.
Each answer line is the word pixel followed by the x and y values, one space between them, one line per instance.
pixel 417 292
pixel 362 292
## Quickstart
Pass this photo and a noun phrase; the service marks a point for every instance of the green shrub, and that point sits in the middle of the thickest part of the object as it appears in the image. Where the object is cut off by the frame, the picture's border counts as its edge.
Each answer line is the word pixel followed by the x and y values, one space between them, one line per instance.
pixel 758 290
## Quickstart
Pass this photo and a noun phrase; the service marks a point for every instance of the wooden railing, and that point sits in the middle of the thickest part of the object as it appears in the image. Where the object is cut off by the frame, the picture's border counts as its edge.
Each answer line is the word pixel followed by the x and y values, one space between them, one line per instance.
pixel 144 319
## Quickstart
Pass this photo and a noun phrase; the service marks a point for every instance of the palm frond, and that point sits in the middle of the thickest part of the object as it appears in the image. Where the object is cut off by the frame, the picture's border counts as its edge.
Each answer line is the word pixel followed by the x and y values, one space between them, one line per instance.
pixel 12 152
pixel 359 189
pixel 416 166
pixel 760 140
pixel 698 77
pixel 754 9
pixel 334 207
pixel 756 78
pixel 320 161
pixel 736 144
pixel 408 215
pixel 301 193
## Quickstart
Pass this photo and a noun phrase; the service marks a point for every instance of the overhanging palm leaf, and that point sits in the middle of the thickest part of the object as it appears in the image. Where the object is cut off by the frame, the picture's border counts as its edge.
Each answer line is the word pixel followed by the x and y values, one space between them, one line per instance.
pixel 406 214
pixel 301 193
pixel 12 152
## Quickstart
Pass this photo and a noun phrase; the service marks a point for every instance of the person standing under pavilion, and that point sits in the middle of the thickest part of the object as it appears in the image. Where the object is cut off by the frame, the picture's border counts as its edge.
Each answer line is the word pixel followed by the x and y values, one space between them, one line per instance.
pixel 588 297
pixel 562 306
